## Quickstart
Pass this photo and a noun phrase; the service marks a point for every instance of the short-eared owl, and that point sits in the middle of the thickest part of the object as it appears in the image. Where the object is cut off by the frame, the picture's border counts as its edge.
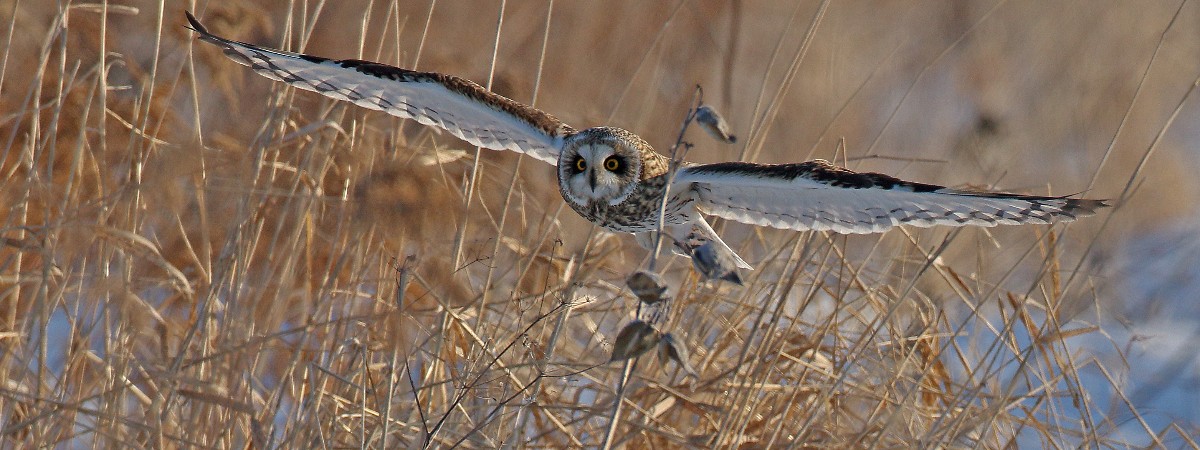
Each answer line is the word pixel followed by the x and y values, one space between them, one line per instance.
pixel 616 180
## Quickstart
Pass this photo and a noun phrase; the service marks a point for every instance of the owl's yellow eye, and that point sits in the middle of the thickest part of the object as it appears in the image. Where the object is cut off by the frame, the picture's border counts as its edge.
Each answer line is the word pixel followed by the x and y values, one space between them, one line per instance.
pixel 612 164
pixel 580 165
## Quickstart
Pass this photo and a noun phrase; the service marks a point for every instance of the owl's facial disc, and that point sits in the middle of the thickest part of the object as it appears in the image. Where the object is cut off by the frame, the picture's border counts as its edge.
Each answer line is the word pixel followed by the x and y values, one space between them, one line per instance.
pixel 596 172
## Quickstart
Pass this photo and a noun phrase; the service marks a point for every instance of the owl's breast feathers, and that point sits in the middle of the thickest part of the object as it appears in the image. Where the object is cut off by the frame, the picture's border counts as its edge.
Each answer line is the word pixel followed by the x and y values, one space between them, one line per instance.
pixel 640 212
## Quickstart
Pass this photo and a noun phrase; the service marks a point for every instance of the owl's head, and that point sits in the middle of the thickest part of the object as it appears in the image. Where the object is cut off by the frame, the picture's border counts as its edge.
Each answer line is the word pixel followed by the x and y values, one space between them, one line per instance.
pixel 600 164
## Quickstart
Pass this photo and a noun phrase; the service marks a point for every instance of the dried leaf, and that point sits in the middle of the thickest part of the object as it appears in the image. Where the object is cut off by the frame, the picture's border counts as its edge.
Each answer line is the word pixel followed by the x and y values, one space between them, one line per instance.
pixel 649 287
pixel 714 124
pixel 670 349
pixel 715 264
pixel 636 338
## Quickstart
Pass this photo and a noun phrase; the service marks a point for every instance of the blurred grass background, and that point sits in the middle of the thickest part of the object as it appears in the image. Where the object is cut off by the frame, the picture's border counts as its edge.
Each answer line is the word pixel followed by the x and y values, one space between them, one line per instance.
pixel 196 256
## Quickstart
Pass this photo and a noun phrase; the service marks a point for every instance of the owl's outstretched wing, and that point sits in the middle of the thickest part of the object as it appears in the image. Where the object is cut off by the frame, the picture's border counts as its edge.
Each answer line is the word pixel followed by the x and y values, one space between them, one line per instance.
pixel 459 106
pixel 817 195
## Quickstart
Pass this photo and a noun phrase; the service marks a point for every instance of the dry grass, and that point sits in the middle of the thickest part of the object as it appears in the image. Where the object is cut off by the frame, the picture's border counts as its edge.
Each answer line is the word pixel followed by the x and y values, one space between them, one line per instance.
pixel 194 256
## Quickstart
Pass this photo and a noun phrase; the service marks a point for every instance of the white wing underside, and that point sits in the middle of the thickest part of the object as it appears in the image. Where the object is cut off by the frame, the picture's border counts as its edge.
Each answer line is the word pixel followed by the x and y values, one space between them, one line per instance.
pixel 458 106
pixel 803 203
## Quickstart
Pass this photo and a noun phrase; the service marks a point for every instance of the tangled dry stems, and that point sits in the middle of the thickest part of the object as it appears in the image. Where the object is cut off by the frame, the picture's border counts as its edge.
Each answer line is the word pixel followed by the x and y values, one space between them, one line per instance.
pixel 193 262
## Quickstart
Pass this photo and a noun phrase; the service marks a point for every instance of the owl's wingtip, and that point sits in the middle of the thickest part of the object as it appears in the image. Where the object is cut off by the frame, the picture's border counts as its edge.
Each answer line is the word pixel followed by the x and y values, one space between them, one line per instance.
pixel 194 23
pixel 1083 207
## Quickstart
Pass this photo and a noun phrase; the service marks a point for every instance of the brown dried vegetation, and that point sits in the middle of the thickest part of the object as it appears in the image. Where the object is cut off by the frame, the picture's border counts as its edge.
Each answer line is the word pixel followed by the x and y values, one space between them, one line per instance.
pixel 195 256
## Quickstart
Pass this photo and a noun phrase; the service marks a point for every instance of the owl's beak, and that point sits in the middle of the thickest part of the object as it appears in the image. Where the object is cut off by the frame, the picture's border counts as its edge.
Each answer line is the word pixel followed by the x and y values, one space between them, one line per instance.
pixel 592 179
